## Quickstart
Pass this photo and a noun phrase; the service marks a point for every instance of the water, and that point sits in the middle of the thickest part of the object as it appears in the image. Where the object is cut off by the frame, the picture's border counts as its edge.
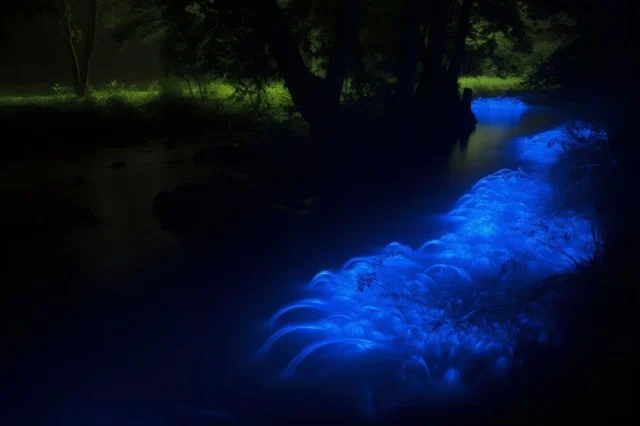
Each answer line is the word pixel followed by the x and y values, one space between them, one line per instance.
pixel 202 351
pixel 448 316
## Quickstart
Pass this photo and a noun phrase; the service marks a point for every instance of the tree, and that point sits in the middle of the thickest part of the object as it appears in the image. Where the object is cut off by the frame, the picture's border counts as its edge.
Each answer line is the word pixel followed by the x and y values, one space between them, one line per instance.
pixel 498 38
pixel 79 34
pixel 599 63
pixel 73 37
pixel 314 46
pixel 458 50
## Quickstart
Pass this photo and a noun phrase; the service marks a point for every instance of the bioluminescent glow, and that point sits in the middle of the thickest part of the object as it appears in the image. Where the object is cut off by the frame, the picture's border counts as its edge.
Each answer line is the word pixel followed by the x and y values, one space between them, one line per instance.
pixel 452 309
pixel 362 344
pixel 302 304
pixel 498 110
pixel 545 148
pixel 286 330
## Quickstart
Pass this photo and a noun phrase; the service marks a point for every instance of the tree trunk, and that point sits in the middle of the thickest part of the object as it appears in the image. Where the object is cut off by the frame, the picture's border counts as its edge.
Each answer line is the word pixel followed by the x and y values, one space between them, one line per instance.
pixel 346 35
pixel 433 55
pixel 317 99
pixel 200 89
pixel 189 87
pixel 79 67
pixel 307 90
pixel 89 43
pixel 68 36
pixel 407 78
pixel 462 29
pixel 357 61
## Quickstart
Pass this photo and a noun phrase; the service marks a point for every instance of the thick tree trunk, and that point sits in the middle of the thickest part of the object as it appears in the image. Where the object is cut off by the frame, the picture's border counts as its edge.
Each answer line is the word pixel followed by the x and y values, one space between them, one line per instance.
pixel 357 61
pixel 317 99
pixel 307 90
pixel 408 70
pixel 433 54
pixel 462 29
pixel 467 120
pixel 346 39
pixel 89 43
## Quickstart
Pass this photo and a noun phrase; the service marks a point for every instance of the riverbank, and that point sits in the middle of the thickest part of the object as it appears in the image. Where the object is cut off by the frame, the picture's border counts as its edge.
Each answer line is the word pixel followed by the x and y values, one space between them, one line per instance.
pixel 170 112
pixel 275 95
pixel 224 133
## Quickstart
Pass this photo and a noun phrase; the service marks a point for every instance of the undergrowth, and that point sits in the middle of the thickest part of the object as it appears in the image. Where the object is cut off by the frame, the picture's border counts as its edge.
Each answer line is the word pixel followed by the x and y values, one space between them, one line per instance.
pixel 273 98
pixel 492 86
pixel 172 108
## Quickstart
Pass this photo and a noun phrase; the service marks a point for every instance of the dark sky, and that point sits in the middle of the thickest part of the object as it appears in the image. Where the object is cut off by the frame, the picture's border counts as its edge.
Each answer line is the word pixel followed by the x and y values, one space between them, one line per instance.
pixel 36 58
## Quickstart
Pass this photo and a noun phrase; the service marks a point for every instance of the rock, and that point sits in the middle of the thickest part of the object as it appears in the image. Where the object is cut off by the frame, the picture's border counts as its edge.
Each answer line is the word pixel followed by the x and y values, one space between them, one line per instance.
pixel 117 165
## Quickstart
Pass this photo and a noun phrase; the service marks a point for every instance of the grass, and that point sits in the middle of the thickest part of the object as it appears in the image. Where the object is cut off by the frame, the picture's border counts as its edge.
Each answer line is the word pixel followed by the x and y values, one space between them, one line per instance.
pixel 275 96
pixel 166 113
pixel 492 86
pixel 171 109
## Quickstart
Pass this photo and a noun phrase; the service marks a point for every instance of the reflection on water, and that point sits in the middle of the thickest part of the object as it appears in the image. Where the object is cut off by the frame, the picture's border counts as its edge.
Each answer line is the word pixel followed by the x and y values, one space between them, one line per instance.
pixel 42 196
pixel 489 147
pixel 455 313
pixel 40 193
pixel 130 235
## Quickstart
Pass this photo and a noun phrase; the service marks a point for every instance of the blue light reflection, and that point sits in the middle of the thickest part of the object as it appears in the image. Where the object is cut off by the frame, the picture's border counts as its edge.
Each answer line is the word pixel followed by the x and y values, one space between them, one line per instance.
pixel 450 308
pixel 498 110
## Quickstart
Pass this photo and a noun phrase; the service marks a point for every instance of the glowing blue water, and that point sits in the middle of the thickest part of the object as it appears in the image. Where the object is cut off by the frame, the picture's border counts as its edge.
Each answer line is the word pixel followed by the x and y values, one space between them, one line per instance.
pixel 499 110
pixel 450 309
pixel 545 148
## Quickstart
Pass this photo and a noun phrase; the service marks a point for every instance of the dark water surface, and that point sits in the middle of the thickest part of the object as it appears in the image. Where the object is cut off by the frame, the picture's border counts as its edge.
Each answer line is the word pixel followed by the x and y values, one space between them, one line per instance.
pixel 124 323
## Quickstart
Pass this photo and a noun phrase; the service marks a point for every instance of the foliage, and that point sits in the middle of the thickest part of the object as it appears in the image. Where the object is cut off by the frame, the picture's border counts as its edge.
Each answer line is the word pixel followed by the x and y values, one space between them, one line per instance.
pixel 274 95
pixel 511 38
pixel 314 26
pixel 59 90
pixel 199 40
pixel 492 86
pixel 497 39
pixel 217 93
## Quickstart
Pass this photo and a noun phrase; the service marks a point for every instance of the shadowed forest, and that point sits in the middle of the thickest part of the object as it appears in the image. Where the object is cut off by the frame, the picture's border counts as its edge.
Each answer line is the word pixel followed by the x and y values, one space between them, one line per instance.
pixel 303 212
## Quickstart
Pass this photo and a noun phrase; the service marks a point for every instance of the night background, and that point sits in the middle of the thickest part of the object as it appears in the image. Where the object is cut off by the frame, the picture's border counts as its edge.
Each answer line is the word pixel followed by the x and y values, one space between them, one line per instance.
pixel 311 212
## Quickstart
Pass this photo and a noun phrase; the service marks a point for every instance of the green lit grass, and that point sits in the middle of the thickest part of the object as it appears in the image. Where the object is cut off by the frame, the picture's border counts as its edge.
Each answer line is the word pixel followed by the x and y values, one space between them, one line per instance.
pixel 492 86
pixel 219 90
pixel 133 97
pixel 216 93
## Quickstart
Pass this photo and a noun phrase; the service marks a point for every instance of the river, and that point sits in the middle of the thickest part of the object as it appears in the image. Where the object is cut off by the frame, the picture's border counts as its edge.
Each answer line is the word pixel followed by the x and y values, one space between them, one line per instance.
pixel 126 348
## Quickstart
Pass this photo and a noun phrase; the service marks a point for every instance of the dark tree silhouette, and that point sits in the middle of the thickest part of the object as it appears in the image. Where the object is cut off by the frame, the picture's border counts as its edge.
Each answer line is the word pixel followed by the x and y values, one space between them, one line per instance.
pixel 79 24
pixel 344 36
pixel 81 61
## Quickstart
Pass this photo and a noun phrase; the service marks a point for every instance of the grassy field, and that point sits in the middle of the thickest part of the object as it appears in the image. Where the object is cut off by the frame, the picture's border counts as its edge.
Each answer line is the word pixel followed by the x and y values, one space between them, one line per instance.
pixel 492 86
pixel 218 93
